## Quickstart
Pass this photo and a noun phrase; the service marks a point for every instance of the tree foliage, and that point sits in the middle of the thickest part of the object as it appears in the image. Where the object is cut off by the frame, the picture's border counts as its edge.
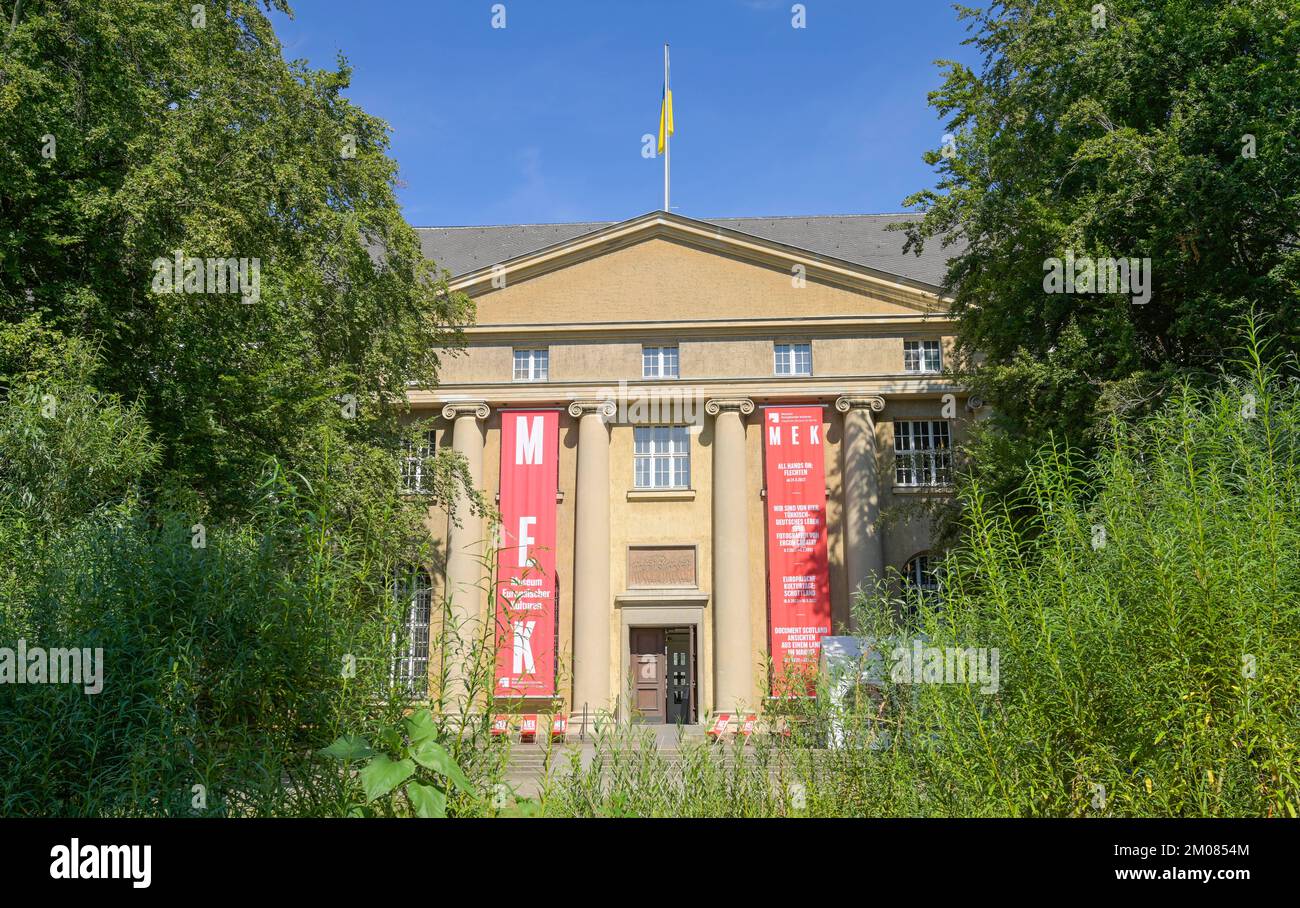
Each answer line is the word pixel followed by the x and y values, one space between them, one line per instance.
pixel 129 131
pixel 1160 129
pixel 204 486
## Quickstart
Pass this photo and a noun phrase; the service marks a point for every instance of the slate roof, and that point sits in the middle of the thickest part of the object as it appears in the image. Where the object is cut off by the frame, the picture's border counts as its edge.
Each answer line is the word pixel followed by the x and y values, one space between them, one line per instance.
pixel 858 238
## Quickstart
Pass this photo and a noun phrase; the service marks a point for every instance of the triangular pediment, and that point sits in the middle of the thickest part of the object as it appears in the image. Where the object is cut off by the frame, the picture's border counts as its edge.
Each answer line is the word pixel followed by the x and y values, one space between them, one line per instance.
pixel 681 268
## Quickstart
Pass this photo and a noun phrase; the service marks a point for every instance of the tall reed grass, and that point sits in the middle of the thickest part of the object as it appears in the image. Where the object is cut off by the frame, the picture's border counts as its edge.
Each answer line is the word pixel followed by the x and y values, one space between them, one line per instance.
pixel 1147 624
pixel 233 650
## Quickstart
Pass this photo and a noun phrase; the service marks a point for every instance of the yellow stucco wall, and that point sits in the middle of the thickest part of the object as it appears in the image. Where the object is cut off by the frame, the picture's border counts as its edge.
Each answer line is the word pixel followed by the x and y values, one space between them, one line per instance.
pixel 595 315
pixel 662 280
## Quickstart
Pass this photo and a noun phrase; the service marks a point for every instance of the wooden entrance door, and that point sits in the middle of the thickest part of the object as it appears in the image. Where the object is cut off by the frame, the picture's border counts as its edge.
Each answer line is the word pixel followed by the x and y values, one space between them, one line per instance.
pixel 648 672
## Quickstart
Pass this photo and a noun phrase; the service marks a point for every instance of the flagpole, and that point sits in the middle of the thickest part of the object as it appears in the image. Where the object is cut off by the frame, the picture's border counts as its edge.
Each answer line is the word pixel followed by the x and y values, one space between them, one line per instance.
pixel 667 135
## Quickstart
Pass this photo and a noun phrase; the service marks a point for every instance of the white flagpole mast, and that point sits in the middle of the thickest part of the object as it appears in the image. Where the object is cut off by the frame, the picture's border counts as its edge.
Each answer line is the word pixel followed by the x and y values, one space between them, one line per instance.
pixel 667 136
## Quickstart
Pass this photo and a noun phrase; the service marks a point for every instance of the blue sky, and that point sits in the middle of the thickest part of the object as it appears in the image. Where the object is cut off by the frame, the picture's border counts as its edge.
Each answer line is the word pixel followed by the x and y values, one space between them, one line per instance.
pixel 542 121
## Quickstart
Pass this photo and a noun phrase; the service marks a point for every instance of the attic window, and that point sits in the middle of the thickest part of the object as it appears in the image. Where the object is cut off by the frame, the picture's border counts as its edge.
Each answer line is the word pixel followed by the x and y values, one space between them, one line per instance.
pixel 922 356
pixel 793 359
pixel 659 362
pixel 532 365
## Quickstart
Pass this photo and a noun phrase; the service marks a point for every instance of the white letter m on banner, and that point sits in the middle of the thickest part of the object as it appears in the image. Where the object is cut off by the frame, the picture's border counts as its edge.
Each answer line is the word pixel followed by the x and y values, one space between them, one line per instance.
pixel 528 441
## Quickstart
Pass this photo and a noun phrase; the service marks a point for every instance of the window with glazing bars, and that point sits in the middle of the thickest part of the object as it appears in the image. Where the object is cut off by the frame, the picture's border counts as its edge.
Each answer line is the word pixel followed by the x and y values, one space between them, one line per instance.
pixel 922 453
pixel 413 594
pixel 658 362
pixel 414 459
pixel 922 356
pixel 921 583
pixel 532 365
pixel 662 457
pixel 919 574
pixel 793 359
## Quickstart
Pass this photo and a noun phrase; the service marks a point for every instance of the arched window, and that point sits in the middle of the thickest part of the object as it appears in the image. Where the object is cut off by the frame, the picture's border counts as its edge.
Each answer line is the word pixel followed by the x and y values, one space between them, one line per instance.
pixel 413 592
pixel 919 576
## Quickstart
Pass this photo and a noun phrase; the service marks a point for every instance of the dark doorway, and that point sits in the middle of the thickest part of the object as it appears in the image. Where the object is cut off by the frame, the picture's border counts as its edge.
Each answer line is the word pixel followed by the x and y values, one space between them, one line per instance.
pixel 680 676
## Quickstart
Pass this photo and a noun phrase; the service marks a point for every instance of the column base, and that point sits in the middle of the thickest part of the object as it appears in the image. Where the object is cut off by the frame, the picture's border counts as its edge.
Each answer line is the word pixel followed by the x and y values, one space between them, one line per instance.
pixel 586 724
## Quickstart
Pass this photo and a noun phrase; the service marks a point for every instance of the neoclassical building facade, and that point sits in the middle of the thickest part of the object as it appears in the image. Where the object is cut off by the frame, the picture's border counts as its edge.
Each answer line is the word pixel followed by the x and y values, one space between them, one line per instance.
pixel 702 437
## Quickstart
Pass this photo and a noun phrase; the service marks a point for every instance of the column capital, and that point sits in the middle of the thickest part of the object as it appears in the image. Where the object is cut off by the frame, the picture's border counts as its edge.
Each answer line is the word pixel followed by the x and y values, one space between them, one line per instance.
pixel 457 408
pixel 874 403
pixel 743 405
pixel 605 409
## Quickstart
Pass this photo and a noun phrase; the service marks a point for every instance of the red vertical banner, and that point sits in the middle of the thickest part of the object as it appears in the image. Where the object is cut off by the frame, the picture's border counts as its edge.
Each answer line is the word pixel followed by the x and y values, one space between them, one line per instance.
pixel 799 594
pixel 525 587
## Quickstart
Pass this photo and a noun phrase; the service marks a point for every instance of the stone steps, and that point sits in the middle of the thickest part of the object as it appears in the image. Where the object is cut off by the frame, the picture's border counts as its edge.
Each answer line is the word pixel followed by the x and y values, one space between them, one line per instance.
pixel 528 763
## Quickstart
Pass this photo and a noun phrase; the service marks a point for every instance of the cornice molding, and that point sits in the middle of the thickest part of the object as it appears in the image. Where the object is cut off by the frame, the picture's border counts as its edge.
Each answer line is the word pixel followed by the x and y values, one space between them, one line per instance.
pixel 561 395
pixel 867 326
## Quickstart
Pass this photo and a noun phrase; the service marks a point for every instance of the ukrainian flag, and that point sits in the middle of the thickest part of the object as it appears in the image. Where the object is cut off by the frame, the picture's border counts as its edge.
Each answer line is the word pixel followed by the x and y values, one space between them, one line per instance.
pixel 665 117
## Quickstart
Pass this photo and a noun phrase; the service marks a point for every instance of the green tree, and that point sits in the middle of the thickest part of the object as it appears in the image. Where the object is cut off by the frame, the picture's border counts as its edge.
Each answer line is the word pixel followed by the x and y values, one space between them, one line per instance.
pixel 203 485
pixel 134 130
pixel 1149 129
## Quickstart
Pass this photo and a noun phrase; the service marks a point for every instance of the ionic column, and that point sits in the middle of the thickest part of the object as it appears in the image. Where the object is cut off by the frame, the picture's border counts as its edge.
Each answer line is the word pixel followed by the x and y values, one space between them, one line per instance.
pixel 466 569
pixel 591 555
pixel 733 651
pixel 863 552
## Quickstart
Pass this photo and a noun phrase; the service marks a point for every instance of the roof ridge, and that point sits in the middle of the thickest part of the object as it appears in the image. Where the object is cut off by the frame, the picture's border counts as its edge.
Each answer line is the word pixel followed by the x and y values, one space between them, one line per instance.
pixel 707 220
pixel 485 226
pixel 808 217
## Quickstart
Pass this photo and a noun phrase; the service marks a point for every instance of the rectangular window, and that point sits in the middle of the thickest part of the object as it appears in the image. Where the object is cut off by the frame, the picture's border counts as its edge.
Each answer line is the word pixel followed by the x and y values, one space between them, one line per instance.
pixel 659 362
pixel 414 461
pixel 532 365
pixel 793 359
pixel 922 356
pixel 922 453
pixel 662 457
pixel 413 595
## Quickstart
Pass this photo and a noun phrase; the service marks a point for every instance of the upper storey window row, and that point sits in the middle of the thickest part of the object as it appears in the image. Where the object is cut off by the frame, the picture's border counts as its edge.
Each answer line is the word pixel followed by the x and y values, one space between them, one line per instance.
pixel 789 359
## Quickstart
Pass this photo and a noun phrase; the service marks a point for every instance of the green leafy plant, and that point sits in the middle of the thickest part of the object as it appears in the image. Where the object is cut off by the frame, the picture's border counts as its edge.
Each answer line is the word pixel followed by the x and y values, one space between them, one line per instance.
pixel 407 772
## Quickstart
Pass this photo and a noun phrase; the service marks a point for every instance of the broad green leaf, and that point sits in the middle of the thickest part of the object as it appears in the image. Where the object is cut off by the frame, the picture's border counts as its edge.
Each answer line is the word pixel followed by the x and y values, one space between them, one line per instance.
pixel 427 801
pixel 420 727
pixel 390 738
pixel 382 774
pixel 433 755
pixel 347 748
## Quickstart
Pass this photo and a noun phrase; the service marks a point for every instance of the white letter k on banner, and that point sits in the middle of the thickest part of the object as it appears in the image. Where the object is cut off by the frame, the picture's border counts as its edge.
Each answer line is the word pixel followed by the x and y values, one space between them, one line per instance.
pixel 524 648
